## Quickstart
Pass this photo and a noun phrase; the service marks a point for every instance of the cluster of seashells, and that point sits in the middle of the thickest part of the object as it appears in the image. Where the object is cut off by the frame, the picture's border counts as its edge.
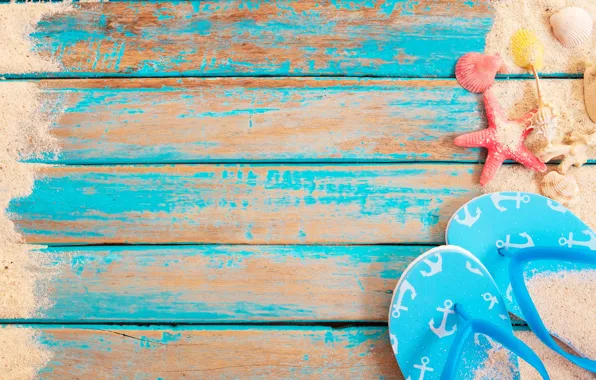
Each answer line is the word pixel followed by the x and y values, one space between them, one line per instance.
pixel 572 26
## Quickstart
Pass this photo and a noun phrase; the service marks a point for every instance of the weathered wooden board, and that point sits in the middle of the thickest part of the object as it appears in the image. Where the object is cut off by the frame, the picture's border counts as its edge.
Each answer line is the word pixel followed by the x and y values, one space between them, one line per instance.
pixel 217 283
pixel 256 204
pixel 262 119
pixel 229 352
pixel 254 37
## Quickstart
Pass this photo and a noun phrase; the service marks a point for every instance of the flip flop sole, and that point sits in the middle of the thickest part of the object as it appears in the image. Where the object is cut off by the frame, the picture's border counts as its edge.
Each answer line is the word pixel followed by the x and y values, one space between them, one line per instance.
pixel 512 221
pixel 422 322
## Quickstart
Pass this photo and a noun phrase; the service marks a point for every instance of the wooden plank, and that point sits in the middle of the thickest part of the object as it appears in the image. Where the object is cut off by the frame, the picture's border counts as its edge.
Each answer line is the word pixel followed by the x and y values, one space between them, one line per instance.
pixel 250 37
pixel 256 204
pixel 217 283
pixel 263 119
pixel 230 352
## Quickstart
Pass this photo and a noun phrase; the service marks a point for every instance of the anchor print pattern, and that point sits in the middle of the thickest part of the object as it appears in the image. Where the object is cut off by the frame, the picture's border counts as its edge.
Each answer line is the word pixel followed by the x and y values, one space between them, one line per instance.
pixel 405 287
pixel 513 221
pixel 508 293
pixel 435 267
pixel 473 270
pixel 423 367
pixel 424 307
pixel 442 330
pixel 555 206
pixel 508 244
pixel 497 198
pixel 489 340
pixel 393 340
pixel 468 220
pixel 570 243
pixel 490 298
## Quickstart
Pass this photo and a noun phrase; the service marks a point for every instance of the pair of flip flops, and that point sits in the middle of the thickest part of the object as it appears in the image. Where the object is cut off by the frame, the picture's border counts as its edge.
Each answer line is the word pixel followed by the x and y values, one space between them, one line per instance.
pixel 449 317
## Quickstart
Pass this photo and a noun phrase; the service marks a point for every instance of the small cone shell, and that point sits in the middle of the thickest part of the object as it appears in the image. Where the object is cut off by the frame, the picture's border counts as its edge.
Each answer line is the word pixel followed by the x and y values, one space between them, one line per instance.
pixel 561 188
pixel 527 50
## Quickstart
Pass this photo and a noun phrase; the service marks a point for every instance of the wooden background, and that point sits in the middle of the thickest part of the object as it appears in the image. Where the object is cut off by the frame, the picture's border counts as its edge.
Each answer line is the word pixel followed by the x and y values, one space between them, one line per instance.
pixel 262 172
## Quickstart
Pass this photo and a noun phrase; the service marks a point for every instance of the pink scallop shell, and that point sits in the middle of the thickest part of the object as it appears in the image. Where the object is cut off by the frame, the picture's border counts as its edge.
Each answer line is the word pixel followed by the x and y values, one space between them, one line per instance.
pixel 476 72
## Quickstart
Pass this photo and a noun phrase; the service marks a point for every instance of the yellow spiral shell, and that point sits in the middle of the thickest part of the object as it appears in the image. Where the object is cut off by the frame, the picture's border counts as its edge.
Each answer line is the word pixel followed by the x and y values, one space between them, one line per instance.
pixel 527 50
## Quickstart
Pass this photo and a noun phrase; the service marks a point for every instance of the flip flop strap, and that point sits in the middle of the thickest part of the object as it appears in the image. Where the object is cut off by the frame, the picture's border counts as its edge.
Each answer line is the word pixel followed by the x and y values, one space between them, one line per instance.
pixel 498 334
pixel 526 305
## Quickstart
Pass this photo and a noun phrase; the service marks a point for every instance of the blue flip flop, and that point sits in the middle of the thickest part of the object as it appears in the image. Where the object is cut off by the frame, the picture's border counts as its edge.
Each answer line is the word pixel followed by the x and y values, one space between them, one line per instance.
pixel 443 304
pixel 517 236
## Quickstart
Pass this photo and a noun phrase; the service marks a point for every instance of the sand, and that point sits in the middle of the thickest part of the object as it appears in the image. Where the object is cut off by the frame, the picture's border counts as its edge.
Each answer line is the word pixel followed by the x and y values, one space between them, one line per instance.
pixel 550 292
pixel 17 22
pixel 498 365
pixel 511 15
pixel 565 96
pixel 25 272
pixel 25 130
pixel 21 356
pixel 557 367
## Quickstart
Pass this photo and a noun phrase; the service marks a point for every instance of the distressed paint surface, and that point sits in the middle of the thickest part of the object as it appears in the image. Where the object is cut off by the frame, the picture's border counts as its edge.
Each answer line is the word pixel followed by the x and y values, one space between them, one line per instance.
pixel 391 38
pixel 262 119
pixel 257 204
pixel 224 283
pixel 163 352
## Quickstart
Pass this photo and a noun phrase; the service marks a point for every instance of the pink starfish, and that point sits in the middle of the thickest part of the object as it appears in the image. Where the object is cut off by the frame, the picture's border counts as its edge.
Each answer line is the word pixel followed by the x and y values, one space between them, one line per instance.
pixel 498 151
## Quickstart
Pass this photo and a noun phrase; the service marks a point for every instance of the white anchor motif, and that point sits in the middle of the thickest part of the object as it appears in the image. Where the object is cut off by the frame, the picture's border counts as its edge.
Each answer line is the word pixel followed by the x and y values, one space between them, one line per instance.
pixel 441 331
pixel 498 197
pixel 435 267
pixel 423 368
pixel 555 206
pixel 490 298
pixel 468 219
pixel 473 270
pixel 503 316
pixel 508 244
pixel 570 243
pixel 490 341
pixel 508 293
pixel 403 289
pixel 393 340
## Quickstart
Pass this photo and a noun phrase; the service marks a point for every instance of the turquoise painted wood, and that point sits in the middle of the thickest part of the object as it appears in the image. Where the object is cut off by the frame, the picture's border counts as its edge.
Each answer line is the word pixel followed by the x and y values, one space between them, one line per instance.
pixel 217 352
pixel 255 204
pixel 390 38
pixel 259 119
pixel 217 283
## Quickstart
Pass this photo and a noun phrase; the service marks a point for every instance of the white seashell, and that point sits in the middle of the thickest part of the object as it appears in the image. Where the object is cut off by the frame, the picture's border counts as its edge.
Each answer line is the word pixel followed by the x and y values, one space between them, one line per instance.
pixel 561 188
pixel 572 26
pixel 590 91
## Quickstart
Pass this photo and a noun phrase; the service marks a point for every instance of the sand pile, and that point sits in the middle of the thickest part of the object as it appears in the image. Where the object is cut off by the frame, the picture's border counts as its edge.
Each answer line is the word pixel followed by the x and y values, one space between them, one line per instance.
pixel 20 355
pixel 24 126
pixel 17 22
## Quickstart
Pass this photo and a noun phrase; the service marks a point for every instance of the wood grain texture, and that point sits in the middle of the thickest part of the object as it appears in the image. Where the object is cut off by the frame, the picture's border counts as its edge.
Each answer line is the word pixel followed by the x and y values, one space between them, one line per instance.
pixel 252 37
pixel 108 352
pixel 256 204
pixel 217 283
pixel 261 119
